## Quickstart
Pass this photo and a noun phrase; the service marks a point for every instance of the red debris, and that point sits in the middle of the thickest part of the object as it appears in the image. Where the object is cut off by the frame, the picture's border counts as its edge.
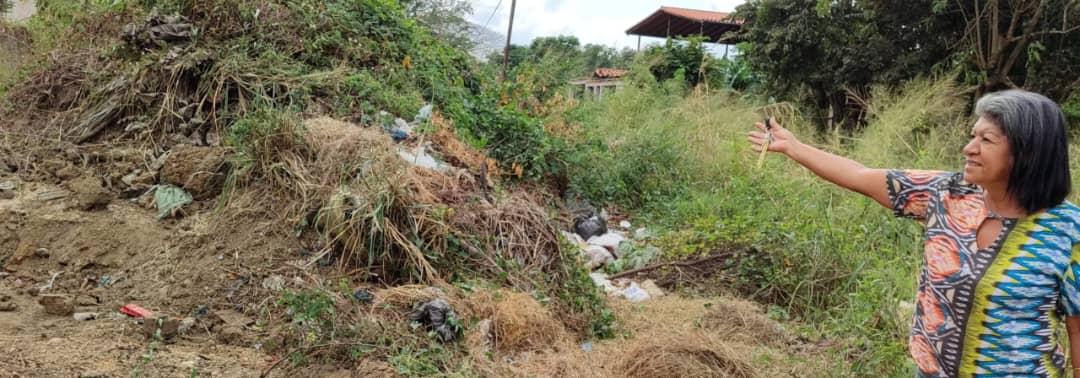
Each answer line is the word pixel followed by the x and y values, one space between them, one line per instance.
pixel 136 311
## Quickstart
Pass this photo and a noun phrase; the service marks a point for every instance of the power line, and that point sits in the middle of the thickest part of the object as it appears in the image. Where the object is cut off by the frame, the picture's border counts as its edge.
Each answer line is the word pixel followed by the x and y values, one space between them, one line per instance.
pixel 492 13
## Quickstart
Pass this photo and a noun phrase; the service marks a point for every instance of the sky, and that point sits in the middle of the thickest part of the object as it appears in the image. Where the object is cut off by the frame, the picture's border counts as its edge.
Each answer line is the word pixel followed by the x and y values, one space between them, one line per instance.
pixel 591 21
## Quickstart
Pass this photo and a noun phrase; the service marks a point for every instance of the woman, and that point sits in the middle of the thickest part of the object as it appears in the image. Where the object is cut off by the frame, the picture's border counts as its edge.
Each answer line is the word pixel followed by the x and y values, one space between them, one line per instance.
pixel 998 271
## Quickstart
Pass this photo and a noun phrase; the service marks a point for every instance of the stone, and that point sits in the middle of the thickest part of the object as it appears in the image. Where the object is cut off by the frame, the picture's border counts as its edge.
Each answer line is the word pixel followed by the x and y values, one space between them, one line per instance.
pixel 57 304
pixel 199 170
pixel 651 288
pixel 89 193
pixel 84 316
pixel 169 327
pixel 274 282
pixel 6 304
pixel 186 325
pixel 233 318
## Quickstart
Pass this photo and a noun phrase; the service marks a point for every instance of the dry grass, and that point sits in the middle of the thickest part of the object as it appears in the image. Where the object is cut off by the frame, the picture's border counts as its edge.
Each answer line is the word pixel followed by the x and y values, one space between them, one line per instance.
pixel 520 323
pixel 744 321
pixel 685 355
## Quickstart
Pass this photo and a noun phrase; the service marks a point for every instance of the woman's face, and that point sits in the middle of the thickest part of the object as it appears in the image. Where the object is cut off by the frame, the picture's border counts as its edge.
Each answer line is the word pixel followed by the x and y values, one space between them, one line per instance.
pixel 989 157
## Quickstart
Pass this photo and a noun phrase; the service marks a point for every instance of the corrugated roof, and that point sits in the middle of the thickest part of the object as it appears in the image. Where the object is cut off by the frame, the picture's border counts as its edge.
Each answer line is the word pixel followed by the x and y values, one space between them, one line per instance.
pixel 680 22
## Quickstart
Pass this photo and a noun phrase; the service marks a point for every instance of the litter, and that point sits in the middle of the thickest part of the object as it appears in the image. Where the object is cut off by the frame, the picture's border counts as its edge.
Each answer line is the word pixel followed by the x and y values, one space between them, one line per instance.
pixel 586 346
pixel 625 225
pixel 170 199
pixel 423 115
pixel 84 316
pixel 634 293
pixel 364 296
pixel 590 225
pixel 420 158
pixel 437 316
pixel 137 311
pixel 598 256
pixel 609 240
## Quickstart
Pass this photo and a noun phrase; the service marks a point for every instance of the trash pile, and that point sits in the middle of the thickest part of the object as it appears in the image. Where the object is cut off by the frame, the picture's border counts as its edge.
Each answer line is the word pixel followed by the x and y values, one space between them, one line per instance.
pixel 608 251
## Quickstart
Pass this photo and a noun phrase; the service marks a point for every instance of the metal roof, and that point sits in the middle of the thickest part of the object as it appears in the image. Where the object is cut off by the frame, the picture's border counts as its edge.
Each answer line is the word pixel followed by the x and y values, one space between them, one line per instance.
pixel 681 22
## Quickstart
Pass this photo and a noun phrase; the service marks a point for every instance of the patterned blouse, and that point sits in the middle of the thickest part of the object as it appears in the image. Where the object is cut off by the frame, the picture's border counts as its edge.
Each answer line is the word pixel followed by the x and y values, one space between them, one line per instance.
pixel 990 311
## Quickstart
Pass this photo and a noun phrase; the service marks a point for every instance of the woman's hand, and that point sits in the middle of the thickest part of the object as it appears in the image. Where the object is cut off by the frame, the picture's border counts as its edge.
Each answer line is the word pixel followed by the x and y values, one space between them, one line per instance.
pixel 836 169
pixel 782 139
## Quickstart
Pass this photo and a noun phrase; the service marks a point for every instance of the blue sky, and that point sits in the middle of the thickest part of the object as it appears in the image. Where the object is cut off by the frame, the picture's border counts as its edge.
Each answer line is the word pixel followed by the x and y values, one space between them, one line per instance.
pixel 592 21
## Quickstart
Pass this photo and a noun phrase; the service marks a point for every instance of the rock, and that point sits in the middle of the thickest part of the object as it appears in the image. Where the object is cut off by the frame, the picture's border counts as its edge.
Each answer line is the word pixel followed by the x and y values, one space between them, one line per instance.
pixel 199 170
pixel 650 287
pixel 86 300
pixel 6 195
pixel 233 318
pixel 598 256
pixel 6 304
pixel 57 304
pixel 232 335
pixel 84 316
pixel 89 193
pixel 169 327
pixel 186 325
pixel 274 282
pixel 189 365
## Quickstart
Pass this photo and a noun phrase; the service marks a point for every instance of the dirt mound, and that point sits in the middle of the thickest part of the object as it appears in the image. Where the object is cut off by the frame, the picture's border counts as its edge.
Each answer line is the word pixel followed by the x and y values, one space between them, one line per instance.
pixel 199 170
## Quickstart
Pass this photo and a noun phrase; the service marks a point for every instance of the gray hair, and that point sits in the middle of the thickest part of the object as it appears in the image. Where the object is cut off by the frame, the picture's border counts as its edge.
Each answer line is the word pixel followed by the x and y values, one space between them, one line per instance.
pixel 1038 139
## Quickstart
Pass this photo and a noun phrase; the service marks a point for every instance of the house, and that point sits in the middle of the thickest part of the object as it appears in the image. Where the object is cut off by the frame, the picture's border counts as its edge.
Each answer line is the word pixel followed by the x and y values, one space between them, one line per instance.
pixel 609 79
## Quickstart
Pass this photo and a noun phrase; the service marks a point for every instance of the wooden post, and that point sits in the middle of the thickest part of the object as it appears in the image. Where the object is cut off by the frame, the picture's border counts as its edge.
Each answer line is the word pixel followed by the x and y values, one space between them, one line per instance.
pixel 506 51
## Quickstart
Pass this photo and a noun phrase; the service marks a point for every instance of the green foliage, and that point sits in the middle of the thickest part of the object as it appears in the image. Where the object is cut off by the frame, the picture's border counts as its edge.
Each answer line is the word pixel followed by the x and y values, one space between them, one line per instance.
pixel 815 252
pixel 312 315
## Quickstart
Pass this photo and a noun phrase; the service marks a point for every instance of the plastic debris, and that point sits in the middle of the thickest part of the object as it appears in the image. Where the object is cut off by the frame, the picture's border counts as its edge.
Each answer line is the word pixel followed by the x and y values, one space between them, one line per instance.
pixel 202 310
pixel 625 224
pixel 650 287
pixel 170 199
pixel 601 281
pixel 137 311
pixel 634 293
pixel 424 114
pixel 158 29
pixel 586 346
pixel 364 296
pixel 590 225
pixel 437 316
pixel 609 240
pixel 420 158
pixel 598 256
pixel 573 238
pixel 642 233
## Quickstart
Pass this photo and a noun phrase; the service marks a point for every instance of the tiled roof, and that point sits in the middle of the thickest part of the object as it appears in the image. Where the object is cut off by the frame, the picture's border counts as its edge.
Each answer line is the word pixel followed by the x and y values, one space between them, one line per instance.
pixel 608 73
pixel 699 15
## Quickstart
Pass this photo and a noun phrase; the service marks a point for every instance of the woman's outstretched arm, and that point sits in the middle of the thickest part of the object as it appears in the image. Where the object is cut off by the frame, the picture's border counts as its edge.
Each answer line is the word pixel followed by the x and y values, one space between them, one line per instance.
pixel 836 169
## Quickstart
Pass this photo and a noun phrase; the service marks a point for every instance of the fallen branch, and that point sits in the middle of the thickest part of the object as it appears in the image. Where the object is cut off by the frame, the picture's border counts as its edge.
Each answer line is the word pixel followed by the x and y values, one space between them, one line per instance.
pixel 683 263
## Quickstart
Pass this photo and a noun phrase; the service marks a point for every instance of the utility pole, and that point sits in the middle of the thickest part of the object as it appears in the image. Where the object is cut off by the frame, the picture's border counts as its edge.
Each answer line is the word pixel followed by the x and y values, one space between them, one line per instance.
pixel 506 51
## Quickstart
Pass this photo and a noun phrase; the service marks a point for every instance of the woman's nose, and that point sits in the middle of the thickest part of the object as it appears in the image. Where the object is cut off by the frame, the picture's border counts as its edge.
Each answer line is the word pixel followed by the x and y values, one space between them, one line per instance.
pixel 971 148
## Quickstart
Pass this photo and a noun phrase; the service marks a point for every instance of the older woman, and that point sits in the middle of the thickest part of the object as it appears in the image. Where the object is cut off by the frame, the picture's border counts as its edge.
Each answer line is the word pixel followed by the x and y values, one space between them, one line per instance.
pixel 999 272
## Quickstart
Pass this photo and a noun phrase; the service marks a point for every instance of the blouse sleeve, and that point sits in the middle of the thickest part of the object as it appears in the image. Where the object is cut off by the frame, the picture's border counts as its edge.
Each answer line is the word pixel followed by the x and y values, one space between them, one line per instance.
pixel 1069 303
pixel 910 191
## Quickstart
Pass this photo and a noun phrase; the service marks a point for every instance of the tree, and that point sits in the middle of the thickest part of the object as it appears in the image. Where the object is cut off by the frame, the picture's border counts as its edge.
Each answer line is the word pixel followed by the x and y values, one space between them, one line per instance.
pixel 1007 41
pixel 445 18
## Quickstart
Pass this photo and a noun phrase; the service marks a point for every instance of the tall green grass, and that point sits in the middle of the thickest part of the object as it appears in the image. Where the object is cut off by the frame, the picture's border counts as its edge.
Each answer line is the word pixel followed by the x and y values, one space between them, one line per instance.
pixel 828 257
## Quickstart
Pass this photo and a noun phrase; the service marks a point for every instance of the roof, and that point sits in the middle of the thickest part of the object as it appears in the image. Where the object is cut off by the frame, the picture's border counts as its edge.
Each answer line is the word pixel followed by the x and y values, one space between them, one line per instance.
pixel 681 22
pixel 608 73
